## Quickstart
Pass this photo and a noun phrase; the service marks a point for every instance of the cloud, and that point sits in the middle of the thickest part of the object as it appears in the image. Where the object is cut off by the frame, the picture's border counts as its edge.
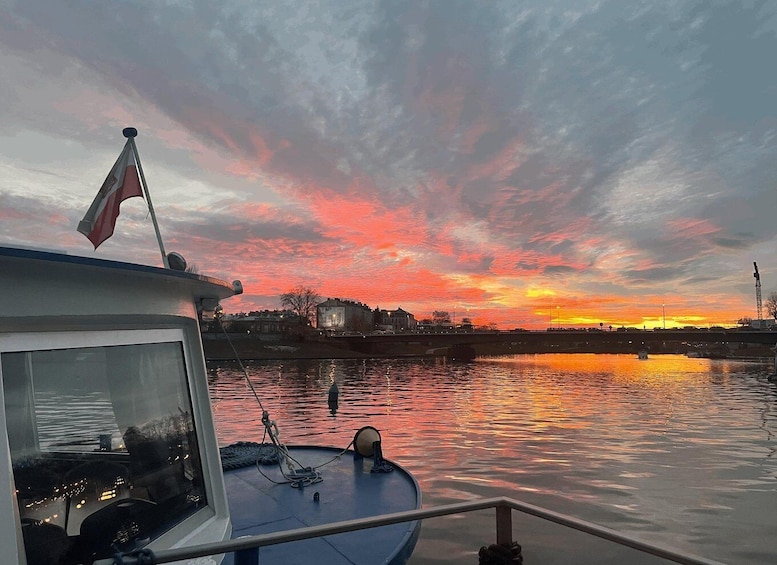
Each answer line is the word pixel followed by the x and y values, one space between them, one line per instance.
pixel 450 150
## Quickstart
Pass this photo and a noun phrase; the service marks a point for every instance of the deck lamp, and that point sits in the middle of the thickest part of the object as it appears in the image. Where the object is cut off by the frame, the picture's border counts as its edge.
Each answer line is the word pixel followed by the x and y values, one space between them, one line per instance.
pixel 364 441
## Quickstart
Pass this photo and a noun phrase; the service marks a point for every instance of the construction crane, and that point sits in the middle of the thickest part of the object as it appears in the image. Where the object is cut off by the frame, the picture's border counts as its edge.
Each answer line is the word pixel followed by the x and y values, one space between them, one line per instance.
pixel 758 293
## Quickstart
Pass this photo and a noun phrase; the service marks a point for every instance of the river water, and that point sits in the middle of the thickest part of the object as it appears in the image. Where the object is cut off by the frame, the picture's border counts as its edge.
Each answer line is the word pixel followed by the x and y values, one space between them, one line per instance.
pixel 673 450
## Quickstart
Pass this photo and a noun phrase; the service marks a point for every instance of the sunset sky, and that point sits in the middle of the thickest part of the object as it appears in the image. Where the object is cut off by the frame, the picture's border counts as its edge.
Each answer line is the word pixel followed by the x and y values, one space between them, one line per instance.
pixel 564 162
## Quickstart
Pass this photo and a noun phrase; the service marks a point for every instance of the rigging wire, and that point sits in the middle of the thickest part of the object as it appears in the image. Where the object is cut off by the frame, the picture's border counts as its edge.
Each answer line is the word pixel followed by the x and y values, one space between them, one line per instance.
pixel 296 477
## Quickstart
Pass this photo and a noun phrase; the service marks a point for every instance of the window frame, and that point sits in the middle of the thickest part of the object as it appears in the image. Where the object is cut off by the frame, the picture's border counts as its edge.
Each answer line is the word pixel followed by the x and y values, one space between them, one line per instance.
pixel 182 331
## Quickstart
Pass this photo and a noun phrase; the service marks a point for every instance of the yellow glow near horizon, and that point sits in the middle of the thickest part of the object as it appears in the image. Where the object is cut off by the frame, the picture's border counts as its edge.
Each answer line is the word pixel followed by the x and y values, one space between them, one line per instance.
pixel 536 292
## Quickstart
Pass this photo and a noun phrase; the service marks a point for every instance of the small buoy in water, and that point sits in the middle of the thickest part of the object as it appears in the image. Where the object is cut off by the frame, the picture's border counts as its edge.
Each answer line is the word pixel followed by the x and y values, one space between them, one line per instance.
pixel 334 393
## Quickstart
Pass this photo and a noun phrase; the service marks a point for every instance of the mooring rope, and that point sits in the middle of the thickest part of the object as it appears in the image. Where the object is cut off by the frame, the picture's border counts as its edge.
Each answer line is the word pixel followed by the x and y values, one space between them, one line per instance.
pixel 243 454
pixel 298 476
pixel 246 453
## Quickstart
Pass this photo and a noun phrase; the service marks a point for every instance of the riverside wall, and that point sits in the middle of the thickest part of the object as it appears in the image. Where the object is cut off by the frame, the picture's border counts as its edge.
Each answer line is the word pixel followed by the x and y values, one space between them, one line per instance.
pixel 218 348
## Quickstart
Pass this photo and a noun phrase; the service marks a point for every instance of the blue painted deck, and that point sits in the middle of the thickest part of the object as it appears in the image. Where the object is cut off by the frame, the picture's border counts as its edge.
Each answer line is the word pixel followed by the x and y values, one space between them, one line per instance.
pixel 349 491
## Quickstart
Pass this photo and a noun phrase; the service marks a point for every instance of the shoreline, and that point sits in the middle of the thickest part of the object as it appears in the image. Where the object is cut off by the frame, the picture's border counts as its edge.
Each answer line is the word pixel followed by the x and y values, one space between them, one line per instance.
pixel 257 350
pixel 219 349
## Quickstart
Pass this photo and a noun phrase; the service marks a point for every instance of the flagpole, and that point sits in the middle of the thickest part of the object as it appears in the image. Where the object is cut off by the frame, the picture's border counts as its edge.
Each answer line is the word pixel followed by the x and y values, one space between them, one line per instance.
pixel 130 134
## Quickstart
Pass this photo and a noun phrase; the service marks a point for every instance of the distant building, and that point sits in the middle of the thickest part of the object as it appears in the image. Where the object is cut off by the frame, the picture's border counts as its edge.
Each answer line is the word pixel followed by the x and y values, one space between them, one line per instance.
pixel 343 315
pixel 262 323
pixel 397 320
pixel 766 324
pixel 428 326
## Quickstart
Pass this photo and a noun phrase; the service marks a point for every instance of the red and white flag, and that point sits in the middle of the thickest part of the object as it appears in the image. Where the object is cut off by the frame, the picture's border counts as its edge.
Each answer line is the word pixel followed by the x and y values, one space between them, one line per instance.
pixel 122 183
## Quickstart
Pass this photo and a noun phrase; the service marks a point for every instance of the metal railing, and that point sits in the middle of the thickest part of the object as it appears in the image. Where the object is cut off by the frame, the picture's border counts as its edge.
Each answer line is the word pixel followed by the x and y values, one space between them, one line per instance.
pixel 246 548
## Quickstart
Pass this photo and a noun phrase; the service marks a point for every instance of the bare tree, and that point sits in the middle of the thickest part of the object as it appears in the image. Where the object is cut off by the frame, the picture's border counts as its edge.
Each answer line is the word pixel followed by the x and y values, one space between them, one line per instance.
pixel 771 305
pixel 441 317
pixel 302 301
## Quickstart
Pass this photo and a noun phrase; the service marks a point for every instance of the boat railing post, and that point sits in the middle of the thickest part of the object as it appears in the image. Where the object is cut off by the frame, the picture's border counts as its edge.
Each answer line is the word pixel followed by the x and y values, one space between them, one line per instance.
pixel 504 525
pixel 247 556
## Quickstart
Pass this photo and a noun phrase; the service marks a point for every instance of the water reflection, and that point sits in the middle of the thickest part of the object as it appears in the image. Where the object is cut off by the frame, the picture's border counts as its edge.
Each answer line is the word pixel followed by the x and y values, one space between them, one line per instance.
pixel 388 390
pixel 672 449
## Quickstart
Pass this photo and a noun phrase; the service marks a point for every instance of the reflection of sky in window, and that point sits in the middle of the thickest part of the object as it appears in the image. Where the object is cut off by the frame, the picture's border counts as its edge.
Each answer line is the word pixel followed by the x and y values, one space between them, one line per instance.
pixel 85 397
pixel 73 421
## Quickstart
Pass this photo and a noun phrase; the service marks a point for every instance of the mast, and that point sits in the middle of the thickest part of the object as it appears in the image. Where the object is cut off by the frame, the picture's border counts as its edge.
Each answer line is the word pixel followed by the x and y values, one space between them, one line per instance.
pixel 130 134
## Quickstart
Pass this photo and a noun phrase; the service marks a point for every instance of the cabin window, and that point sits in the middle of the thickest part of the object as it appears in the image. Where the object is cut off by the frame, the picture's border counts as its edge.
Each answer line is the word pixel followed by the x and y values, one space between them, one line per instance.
pixel 103 447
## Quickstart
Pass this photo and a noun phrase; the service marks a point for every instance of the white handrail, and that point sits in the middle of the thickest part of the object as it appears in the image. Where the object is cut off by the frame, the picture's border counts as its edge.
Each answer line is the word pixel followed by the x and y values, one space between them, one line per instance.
pixel 503 506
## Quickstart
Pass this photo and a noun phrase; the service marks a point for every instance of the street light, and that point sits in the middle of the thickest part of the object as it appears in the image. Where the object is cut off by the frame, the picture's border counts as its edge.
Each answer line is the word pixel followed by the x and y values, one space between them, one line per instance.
pixel 663 311
pixel 558 316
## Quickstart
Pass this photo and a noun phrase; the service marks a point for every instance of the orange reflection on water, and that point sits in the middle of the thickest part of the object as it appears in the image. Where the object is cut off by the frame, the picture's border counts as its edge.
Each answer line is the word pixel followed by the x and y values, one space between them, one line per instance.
pixel 667 444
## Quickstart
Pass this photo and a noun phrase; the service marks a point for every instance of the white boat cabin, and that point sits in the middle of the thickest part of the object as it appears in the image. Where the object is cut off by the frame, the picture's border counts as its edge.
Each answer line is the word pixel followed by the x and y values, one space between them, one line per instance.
pixel 108 439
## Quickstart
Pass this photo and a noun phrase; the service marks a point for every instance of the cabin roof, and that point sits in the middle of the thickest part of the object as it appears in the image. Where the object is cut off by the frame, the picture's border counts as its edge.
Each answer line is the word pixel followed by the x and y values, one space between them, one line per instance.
pixel 55 257
pixel 45 283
